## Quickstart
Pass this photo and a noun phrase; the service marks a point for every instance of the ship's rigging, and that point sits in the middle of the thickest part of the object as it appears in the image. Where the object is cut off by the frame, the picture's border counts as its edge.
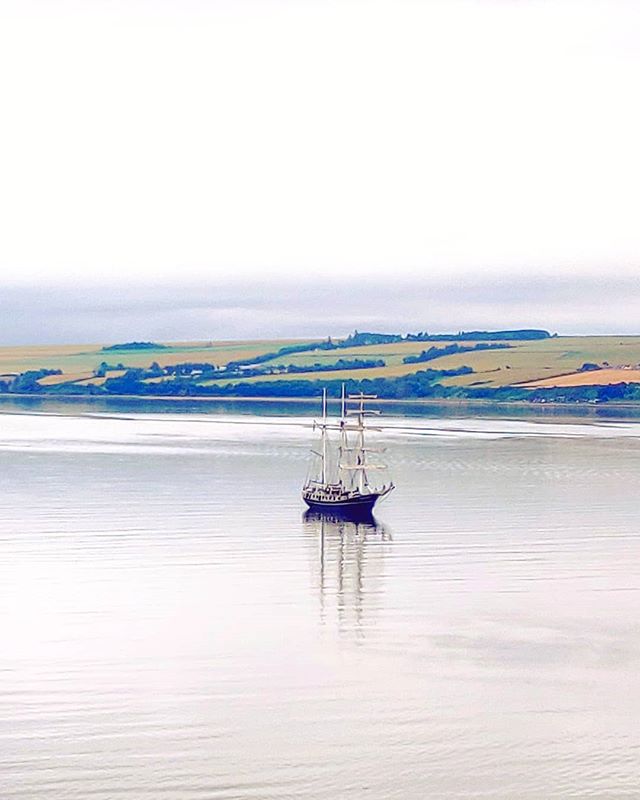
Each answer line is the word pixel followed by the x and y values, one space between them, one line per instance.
pixel 341 474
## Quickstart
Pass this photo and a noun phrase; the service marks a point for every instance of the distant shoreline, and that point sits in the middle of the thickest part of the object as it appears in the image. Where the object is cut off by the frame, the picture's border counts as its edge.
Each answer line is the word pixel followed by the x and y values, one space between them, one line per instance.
pixel 474 370
pixel 572 408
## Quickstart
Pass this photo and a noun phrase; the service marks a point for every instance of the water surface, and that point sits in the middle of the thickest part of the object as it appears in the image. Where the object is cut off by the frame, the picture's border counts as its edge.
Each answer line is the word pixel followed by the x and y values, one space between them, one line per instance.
pixel 173 626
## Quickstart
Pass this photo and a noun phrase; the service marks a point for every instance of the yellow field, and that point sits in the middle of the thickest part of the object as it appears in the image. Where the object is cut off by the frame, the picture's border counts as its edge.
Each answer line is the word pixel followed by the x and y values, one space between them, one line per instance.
pixel 532 361
pixel 392 354
pixel 518 364
pixel 67 377
pixel 601 377
pixel 548 362
pixel 78 362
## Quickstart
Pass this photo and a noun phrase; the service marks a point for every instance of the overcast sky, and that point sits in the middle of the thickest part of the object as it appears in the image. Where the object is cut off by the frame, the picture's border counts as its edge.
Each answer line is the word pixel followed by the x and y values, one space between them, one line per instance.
pixel 469 162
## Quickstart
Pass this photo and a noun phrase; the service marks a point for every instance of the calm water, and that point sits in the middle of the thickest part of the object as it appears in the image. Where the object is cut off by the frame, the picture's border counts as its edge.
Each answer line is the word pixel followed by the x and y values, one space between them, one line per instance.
pixel 172 627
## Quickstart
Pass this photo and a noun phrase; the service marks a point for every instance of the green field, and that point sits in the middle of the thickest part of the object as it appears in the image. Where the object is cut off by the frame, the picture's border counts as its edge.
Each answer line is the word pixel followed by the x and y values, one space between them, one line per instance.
pixel 528 361
pixel 524 361
pixel 78 362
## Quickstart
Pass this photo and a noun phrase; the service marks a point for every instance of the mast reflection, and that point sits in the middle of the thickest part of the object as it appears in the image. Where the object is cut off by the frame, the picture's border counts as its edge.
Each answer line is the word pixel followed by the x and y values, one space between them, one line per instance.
pixel 349 566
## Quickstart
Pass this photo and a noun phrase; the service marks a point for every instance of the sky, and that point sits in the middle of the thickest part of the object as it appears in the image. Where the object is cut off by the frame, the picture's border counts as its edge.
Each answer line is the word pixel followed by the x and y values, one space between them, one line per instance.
pixel 188 169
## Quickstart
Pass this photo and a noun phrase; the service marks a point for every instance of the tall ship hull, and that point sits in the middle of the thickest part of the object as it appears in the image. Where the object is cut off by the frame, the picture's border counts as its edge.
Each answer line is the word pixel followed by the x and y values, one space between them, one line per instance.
pixel 361 506
pixel 365 503
pixel 341 483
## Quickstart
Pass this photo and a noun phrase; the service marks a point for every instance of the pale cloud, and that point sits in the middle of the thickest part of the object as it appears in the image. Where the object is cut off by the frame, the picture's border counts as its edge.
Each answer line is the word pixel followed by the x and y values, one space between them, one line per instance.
pixel 170 141
pixel 236 310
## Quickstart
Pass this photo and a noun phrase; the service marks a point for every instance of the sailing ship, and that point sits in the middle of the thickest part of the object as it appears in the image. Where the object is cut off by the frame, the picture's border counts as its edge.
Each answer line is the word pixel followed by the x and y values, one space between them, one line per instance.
pixel 340 479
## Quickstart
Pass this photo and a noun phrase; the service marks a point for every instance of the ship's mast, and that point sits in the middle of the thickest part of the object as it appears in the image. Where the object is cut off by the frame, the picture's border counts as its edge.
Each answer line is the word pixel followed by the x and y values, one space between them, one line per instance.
pixel 322 454
pixel 323 476
pixel 360 453
pixel 352 464
pixel 362 475
pixel 346 480
pixel 360 465
pixel 344 443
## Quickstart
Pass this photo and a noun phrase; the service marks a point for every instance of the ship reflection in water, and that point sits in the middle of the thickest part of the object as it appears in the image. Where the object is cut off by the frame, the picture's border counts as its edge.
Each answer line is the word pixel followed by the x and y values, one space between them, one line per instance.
pixel 348 567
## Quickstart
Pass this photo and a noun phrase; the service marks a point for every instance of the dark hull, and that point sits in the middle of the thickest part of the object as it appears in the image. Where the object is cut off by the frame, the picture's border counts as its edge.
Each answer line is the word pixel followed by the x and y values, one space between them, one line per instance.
pixel 354 507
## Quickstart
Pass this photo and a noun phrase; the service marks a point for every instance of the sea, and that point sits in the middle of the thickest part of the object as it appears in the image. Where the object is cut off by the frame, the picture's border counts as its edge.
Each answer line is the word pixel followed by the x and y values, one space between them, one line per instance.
pixel 174 626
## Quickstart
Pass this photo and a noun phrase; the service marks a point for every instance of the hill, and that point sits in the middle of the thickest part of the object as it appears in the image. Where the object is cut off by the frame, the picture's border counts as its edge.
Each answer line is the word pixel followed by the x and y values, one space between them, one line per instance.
pixel 483 364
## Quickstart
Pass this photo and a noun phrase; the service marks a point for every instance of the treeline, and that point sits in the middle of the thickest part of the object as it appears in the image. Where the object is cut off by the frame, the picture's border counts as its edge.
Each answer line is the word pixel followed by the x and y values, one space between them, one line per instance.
pixel 358 339
pixel 423 384
pixel 366 338
pixel 27 382
pixel 105 367
pixel 629 392
pixel 202 368
pixel 135 346
pixel 204 371
pixel 361 339
pixel 524 335
pixel 420 384
pixel 438 352
pixel 340 364
pixel 353 340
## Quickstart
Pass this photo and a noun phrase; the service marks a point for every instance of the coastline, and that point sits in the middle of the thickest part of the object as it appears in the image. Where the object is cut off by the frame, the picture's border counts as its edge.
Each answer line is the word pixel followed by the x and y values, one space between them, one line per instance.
pixel 440 401
pixel 477 407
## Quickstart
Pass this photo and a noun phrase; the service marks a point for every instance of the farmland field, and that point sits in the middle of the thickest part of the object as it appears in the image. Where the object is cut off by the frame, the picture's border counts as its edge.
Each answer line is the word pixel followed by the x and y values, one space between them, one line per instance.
pixel 524 361
pixel 548 362
pixel 532 361
pixel 600 377
pixel 78 362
